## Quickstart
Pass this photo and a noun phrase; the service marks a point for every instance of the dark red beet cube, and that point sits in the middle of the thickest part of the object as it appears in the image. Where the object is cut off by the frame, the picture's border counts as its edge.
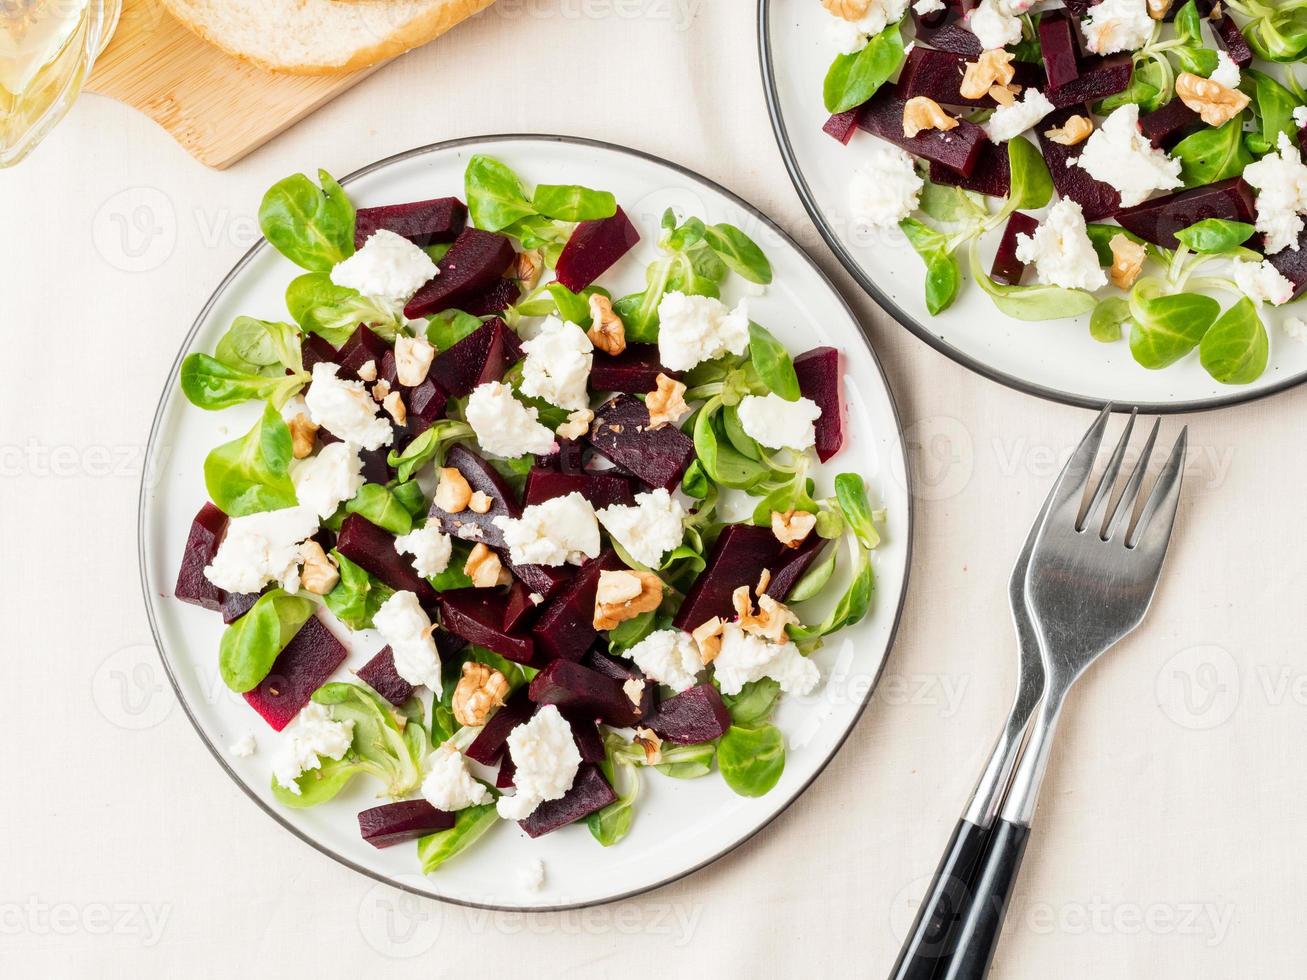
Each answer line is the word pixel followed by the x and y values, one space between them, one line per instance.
pixel 477 615
pixel 1060 47
pixel 566 624
pixel 473 263
pixel 426 406
pixel 480 357
pixel 373 549
pixel 820 379
pixel 314 350
pixel 544 580
pixel 956 148
pixel 586 735
pixel 1292 264
pixel 693 716
pixel 937 75
pixel 480 475
pixel 499 296
pixel 1095 198
pixel 1158 220
pixel 741 553
pixel 362 346
pixel 1099 77
pixel 421 222
pixel 569 457
pixel 791 565
pixel 622 671
pixel 594 248
pixel 634 371
pixel 601 489
pixel 1081 7
pixel 237 604
pixel 306 663
pixel 379 674
pixel 1166 126
pixel 590 792
pixel 202 543
pixel 489 744
pixel 841 126
pixel 395 823
pixel 1232 39
pixel 507 770
pixel 951 36
pixel 621 434
pixel 519 610
pixel 992 173
pixel 1007 268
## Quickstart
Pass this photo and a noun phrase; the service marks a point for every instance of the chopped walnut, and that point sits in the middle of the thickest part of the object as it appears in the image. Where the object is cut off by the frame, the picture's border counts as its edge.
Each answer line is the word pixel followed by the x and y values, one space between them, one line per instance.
pixel 483 567
pixel 608 333
pixel 577 424
pixel 1004 94
pixel 634 689
pixel 1127 261
pixel 368 371
pixel 922 113
pixel 847 9
pixel 1215 103
pixel 319 574
pixel 792 527
pixel 480 502
pixel 480 690
pixel 1217 13
pixel 993 67
pixel 768 622
pixel 648 740
pixel 394 404
pixel 708 638
pixel 303 435
pixel 413 357
pixel 1157 8
pixel 528 268
pixel 453 493
pixel 647 598
pixel 380 390
pixel 667 403
pixel 1075 130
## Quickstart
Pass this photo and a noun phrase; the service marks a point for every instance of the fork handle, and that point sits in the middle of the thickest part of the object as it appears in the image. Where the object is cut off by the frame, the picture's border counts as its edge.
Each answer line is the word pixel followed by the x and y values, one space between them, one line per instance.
pixel 982 921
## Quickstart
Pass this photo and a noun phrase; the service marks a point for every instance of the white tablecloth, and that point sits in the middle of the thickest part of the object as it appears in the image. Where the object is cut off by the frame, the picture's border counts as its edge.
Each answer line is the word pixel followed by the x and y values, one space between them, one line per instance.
pixel 1168 844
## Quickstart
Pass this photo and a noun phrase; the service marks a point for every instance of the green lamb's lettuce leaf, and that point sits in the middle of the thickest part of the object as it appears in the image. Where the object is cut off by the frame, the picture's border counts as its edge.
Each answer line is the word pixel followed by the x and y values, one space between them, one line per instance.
pixel 252 473
pixel 334 312
pixel 751 759
pixel 380 506
pixel 1211 154
pixel 740 253
pixel 773 363
pixel 210 384
pixel 311 226
pixel 1274 109
pixel 943 277
pixel 251 644
pixel 1109 316
pixel 356 598
pixel 1235 350
pixel 1167 327
pixel 260 347
pixel 1032 302
pixel 570 202
pixel 613 822
pixel 470 825
pixel 854 78
pixel 1215 235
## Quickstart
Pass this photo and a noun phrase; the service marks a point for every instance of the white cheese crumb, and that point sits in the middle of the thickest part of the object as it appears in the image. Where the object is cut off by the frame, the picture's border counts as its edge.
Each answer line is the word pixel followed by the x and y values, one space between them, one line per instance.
pixel 668 657
pixel 325 481
pixel 388 268
pixel 556 531
pixel 345 409
pixel 1295 329
pixel 693 329
pixel 430 548
pixel 448 785
pixel 1009 121
pixel 503 425
pixel 1281 183
pixel 313 736
pixel 1262 282
pixel 885 186
pixel 1061 250
pixel 1117 25
pixel 1118 154
pixel 1227 74
pixel 262 548
pixel 995 24
pixel 557 367
pixel 649 529
pixel 745 657
pixel 405 626
pixel 1299 115
pixel 546 760
pixel 533 875
pixel 924 7
pixel 775 423
pixel 244 747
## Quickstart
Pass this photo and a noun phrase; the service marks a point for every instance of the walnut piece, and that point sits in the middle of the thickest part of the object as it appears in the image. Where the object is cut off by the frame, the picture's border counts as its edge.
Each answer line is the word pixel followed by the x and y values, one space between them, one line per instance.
pixel 480 690
pixel 708 638
pixel 1075 130
pixel 768 622
pixel 608 333
pixel 368 371
pixel 394 404
pixel 480 502
pixel 484 568
pixel 380 390
pixel 792 527
pixel 453 493
pixel 1004 94
pixel 528 268
pixel 667 403
pixel 577 424
pixel 303 434
pixel 847 9
pixel 922 113
pixel 1215 103
pixel 648 740
pixel 634 689
pixel 413 357
pixel 648 596
pixel 992 68
pixel 1127 261
pixel 319 574
pixel 1157 8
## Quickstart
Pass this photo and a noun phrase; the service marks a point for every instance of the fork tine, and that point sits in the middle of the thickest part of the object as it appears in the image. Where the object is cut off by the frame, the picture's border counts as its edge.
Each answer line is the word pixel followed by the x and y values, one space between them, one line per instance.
pixel 1069 490
pixel 1106 484
pixel 1125 504
pixel 1153 531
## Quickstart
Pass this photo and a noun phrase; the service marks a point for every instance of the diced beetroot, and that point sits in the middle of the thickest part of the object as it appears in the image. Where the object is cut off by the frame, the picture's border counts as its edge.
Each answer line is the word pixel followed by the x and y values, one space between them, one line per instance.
pixel 421 222
pixel 1059 47
pixel 957 148
pixel 373 549
pixel 498 297
pixel 480 357
pixel 545 580
pixel 1158 220
pixel 594 248
pixel 992 174
pixel 473 263
pixel 426 406
pixel 1082 7
pixel 820 380
pixel 1166 126
pixel 937 75
pixel 583 692
pixel 1007 268
pixel 507 770
pixel 586 735
pixel 519 610
pixel 601 489
pixel 590 792
pixel 468 524
pixel 1095 198
pixel 841 126
pixel 952 37
pixel 375 467
pixel 622 671
pixel 569 457
pixel 237 604
pixel 693 716
pixel 621 434
pixel 314 349
pixel 395 823
pixel 1099 77
pixel 379 674
pixel 634 371
pixel 489 744
pixel 362 346
pixel 1232 39
pixel 741 553
pixel 566 624
pixel 306 663
pixel 477 615
pixel 201 545
pixel 791 565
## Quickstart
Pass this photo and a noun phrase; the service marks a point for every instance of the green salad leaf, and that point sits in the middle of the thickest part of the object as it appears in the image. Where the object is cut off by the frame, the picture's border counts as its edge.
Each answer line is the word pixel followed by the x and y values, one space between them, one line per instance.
pixel 751 759
pixel 470 825
pixel 1033 302
pixel 943 277
pixel 356 598
pixel 1167 327
pixel 311 226
pixel 252 473
pixel 570 202
pixel 334 312
pixel 210 384
pixel 380 506
pixel 854 78
pixel 251 644
pixel 613 822
pixel 773 363
pixel 740 253
pixel 1211 154
pixel 1215 235
pixel 1236 348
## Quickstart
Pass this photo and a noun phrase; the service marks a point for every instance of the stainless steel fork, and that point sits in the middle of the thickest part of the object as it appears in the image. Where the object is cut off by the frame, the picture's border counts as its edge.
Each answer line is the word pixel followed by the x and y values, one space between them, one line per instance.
pixel 1091 579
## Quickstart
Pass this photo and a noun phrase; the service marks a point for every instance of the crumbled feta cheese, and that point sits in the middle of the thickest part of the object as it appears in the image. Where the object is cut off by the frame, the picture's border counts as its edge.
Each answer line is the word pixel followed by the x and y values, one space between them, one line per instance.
pixel 313 736
pixel 243 747
pixel 557 531
pixel 885 186
pixel 851 36
pixel 1295 329
pixel 924 7
pixel 545 758
pixel 1117 153
pixel 557 367
pixel 745 657
pixel 1118 25
pixel 325 481
pixel 1299 115
pixel 388 268
pixel 503 425
pixel 1262 282
pixel 995 24
pixel 345 409
pixel 1061 250
pixel 669 657
pixel 775 423
pixel 693 329
pixel 1009 121
pixel 1281 183
pixel 649 529
pixel 262 548
pixel 1227 74
pixel 430 549
pixel 405 626
pixel 533 875
pixel 448 785
pixel 294 407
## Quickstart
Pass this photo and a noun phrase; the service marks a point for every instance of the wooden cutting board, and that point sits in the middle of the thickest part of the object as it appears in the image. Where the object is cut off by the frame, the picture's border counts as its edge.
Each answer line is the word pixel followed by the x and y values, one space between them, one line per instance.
pixel 218 107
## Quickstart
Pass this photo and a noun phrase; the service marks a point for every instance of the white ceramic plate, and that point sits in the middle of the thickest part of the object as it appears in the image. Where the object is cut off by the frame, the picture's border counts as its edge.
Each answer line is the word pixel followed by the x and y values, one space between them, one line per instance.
pixel 1055 359
pixel 680 825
